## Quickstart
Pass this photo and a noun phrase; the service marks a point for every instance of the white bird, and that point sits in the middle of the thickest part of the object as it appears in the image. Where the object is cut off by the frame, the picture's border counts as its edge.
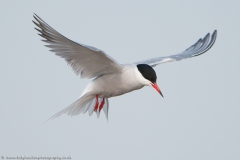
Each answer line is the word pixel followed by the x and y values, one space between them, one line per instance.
pixel 110 78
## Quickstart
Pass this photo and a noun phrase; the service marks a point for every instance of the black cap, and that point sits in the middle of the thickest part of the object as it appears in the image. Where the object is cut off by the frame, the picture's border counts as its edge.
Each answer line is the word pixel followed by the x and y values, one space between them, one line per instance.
pixel 147 72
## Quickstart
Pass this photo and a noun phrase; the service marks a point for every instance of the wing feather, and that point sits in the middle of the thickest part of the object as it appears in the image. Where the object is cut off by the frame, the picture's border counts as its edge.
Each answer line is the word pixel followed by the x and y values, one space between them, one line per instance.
pixel 200 47
pixel 86 61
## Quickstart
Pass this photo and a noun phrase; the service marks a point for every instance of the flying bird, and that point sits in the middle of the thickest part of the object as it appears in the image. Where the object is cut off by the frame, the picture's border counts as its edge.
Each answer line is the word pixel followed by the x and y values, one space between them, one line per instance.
pixel 109 78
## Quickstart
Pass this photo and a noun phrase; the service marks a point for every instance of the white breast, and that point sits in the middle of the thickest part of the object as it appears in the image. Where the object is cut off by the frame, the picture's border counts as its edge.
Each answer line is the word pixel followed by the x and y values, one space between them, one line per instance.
pixel 111 85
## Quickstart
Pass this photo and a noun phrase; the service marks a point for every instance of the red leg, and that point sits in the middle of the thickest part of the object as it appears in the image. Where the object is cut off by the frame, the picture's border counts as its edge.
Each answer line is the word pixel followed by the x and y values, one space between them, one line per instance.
pixel 102 104
pixel 96 105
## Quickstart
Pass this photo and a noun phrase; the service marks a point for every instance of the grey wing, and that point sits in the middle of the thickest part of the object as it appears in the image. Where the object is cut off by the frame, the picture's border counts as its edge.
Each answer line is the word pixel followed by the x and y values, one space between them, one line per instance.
pixel 200 47
pixel 86 61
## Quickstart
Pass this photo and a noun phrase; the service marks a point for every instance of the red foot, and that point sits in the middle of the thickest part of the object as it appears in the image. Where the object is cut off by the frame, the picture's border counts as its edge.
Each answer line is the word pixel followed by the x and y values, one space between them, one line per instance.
pixel 96 105
pixel 101 105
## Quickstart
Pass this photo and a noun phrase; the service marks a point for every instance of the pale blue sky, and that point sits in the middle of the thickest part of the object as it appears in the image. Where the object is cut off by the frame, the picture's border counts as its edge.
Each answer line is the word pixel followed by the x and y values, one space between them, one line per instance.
pixel 198 118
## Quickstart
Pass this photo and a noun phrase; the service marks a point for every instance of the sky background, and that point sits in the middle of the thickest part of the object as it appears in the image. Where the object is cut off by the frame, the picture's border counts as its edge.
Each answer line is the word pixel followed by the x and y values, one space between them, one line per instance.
pixel 198 118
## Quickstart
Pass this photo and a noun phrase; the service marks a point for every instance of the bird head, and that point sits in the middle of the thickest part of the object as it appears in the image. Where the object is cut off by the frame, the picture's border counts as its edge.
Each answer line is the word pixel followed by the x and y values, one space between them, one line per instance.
pixel 150 76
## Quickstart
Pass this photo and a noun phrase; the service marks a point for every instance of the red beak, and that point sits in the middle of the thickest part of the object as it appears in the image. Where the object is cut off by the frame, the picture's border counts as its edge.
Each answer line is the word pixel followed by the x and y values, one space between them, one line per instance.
pixel 157 88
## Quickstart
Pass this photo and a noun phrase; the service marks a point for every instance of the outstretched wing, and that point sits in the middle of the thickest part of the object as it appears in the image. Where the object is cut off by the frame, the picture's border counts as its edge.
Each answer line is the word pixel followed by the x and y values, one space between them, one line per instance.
pixel 200 47
pixel 86 61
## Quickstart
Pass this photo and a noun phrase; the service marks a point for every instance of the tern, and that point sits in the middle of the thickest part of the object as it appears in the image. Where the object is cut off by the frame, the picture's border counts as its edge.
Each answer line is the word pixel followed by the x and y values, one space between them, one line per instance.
pixel 109 78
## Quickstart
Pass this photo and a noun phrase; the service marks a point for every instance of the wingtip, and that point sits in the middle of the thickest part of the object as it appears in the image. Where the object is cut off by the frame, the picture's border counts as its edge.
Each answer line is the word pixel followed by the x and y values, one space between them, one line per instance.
pixel 34 15
pixel 215 33
pixel 51 118
pixel 34 22
pixel 37 18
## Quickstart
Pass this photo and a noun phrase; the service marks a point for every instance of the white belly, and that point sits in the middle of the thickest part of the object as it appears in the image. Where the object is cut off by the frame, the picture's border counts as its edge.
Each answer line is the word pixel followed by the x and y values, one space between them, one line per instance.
pixel 111 85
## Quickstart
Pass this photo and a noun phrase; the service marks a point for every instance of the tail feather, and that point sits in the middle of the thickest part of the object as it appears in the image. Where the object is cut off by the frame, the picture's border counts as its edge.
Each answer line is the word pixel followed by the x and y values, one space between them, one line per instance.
pixel 105 108
pixel 83 104
pixel 79 105
pixel 88 106
pixel 91 108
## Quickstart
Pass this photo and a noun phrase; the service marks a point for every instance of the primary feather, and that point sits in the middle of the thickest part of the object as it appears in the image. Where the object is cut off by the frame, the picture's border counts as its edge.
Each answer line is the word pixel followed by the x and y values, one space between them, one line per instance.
pixel 86 61
pixel 200 47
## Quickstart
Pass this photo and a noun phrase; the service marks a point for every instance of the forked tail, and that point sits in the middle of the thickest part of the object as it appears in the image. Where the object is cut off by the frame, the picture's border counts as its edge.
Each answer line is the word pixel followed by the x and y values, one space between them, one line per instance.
pixel 85 103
